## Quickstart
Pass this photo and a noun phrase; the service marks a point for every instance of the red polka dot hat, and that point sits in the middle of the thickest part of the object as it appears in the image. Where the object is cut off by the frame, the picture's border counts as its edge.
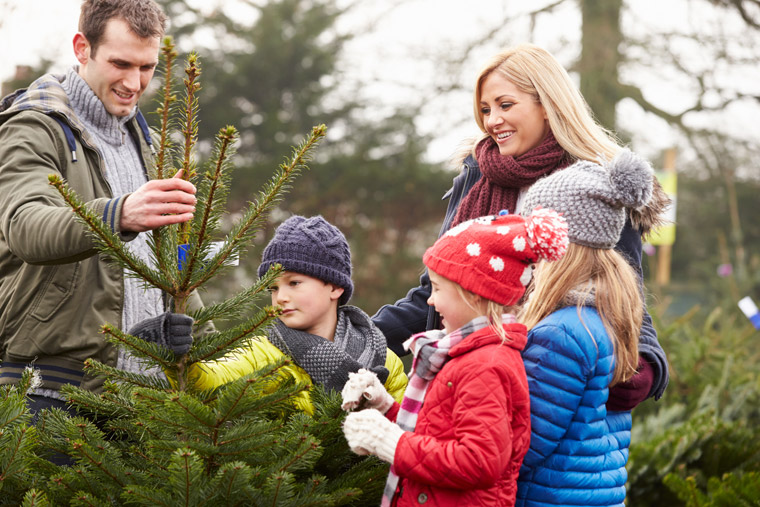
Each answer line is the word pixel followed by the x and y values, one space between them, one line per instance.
pixel 493 256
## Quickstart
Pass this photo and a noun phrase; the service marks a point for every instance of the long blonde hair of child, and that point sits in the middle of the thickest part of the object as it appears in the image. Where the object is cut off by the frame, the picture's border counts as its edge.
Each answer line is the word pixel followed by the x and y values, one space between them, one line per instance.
pixel 616 289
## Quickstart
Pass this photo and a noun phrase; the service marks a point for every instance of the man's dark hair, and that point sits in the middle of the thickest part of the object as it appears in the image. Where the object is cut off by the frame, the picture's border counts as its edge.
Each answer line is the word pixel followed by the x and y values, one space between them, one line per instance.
pixel 144 17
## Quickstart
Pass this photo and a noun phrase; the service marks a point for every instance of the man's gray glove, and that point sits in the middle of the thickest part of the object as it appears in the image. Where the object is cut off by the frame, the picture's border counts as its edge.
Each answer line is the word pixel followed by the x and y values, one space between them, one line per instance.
pixel 170 330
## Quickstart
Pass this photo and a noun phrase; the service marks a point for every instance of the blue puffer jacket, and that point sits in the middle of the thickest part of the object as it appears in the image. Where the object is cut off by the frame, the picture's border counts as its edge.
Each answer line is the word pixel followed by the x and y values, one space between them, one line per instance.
pixel 578 450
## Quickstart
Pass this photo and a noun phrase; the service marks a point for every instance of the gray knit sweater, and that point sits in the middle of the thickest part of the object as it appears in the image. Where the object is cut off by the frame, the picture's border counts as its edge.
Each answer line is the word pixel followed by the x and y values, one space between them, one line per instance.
pixel 125 174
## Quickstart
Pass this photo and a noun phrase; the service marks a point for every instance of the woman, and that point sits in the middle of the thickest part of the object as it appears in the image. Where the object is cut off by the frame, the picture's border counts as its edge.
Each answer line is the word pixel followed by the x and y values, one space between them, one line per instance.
pixel 535 122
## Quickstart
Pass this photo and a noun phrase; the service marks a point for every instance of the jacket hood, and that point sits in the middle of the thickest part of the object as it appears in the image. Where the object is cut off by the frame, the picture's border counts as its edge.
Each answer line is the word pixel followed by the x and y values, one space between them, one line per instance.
pixel 45 95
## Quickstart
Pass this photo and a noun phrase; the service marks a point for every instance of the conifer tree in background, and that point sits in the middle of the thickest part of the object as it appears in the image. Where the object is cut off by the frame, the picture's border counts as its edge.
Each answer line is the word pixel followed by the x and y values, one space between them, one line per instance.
pixel 156 441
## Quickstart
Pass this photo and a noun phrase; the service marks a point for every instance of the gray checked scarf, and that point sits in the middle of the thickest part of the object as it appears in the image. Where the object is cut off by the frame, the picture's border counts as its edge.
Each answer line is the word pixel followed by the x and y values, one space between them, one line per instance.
pixel 358 343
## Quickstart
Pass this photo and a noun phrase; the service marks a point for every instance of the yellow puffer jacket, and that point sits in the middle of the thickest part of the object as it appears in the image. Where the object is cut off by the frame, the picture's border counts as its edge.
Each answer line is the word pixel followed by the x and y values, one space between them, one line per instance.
pixel 260 352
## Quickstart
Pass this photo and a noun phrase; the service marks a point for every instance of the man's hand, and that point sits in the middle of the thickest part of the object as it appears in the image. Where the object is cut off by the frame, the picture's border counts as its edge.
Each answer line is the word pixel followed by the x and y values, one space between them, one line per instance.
pixel 157 203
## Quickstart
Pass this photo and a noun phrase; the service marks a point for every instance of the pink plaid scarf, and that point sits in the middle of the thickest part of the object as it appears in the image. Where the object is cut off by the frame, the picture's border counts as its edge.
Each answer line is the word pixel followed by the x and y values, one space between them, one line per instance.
pixel 431 351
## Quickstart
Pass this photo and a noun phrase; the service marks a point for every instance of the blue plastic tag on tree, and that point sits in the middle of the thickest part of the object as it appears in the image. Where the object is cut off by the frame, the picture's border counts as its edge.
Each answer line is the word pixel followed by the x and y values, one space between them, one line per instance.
pixel 749 308
pixel 182 255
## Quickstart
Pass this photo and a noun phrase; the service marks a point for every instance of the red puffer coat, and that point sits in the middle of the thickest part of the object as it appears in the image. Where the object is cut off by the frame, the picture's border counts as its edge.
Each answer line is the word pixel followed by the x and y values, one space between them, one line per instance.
pixel 473 429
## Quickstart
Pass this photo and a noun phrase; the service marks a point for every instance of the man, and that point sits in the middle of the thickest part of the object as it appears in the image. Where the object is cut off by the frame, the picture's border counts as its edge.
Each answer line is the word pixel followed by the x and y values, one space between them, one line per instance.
pixel 55 290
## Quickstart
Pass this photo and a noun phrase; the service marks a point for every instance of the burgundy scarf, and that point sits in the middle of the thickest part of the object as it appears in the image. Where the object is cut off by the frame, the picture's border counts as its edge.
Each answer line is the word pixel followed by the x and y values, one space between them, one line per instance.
pixel 503 177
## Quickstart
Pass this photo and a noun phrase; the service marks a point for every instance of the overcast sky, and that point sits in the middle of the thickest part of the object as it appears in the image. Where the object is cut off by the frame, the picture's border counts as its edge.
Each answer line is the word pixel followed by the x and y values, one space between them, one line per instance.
pixel 396 51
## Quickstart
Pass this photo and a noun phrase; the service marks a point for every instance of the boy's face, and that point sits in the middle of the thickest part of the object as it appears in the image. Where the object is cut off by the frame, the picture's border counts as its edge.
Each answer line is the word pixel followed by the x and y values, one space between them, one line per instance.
pixel 308 304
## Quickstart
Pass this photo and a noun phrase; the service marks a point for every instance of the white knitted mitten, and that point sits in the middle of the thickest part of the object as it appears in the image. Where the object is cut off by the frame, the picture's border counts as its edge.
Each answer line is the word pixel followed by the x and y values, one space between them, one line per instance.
pixel 369 432
pixel 364 390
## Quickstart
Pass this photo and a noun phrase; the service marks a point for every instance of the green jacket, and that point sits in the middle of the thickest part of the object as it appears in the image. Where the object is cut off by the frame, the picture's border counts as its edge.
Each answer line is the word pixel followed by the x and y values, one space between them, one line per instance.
pixel 56 291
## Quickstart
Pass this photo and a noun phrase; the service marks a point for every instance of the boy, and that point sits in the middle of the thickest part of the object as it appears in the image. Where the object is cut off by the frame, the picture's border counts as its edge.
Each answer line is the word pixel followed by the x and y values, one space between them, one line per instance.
pixel 326 338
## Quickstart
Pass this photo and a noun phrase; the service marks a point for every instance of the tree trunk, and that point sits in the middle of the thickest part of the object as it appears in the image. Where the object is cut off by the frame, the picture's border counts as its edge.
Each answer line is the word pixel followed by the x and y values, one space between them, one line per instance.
pixel 600 57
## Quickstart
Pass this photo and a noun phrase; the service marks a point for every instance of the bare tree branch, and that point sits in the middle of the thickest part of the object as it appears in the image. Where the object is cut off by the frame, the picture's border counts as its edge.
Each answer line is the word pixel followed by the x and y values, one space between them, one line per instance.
pixel 743 7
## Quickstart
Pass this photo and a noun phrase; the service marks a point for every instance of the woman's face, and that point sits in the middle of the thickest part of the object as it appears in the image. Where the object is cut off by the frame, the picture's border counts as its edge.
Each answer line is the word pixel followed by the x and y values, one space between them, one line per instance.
pixel 512 118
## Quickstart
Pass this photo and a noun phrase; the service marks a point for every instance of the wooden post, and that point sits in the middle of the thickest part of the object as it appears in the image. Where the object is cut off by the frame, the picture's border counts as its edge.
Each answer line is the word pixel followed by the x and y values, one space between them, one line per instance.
pixel 664 252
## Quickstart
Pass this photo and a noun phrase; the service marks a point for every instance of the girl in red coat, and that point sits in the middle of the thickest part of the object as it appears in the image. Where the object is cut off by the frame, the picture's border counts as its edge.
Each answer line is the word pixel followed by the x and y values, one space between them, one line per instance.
pixel 460 434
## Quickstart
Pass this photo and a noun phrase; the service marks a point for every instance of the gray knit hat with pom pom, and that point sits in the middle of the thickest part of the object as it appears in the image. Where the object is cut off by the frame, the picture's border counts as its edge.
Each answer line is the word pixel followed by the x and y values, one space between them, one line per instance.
pixel 314 247
pixel 593 198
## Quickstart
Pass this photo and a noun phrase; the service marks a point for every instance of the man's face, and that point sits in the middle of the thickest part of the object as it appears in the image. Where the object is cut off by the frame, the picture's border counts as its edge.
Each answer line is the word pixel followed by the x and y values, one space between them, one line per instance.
pixel 121 68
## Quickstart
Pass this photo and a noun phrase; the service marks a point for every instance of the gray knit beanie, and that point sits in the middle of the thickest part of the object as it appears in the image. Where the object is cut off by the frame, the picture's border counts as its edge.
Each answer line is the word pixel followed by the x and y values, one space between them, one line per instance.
pixel 593 198
pixel 313 247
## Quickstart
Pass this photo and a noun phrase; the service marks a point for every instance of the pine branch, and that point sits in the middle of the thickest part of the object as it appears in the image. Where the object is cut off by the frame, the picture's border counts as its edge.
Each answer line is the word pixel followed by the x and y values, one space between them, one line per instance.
pixel 232 479
pixel 268 429
pixel 190 128
pixel 147 495
pixel 161 356
pixel 35 498
pixel 309 446
pixel 211 198
pixel 98 369
pixel 107 242
pixel 216 345
pixel 235 306
pixel 158 413
pixel 108 404
pixel 191 407
pixel 163 244
pixel 236 399
pixel 97 460
pixel 252 220
pixel 16 444
pixel 190 476
pixel 170 54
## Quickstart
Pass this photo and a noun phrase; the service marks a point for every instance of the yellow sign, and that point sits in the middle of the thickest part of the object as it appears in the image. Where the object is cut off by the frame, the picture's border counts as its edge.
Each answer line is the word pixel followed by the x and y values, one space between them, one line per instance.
pixel 666 234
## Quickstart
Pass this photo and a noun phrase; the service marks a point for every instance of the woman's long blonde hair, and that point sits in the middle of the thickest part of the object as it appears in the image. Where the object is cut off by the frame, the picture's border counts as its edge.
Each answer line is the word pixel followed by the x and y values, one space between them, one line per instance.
pixel 536 72
pixel 615 286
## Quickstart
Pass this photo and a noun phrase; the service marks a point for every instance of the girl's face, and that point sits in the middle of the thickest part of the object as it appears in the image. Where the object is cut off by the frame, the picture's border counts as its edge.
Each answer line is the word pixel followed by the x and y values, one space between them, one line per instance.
pixel 455 310
pixel 512 118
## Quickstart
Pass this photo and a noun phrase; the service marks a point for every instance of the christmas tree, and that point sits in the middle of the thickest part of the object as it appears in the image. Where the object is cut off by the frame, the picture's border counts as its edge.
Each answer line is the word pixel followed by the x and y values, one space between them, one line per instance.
pixel 151 440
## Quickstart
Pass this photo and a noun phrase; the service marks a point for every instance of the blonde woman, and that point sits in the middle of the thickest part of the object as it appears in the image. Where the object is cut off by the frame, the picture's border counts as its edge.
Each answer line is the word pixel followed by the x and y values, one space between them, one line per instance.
pixel 535 122
pixel 584 315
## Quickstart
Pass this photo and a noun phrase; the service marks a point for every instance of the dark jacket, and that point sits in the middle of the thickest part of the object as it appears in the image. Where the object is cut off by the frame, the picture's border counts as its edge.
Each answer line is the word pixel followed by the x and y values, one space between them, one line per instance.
pixel 412 314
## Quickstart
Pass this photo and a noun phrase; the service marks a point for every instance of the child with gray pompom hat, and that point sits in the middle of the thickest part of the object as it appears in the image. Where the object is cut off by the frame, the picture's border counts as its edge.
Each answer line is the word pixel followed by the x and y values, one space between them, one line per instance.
pixel 584 315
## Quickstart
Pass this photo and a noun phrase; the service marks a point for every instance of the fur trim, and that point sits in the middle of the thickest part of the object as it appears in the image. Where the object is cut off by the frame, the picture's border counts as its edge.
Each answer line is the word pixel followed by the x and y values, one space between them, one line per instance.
pixel 652 215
